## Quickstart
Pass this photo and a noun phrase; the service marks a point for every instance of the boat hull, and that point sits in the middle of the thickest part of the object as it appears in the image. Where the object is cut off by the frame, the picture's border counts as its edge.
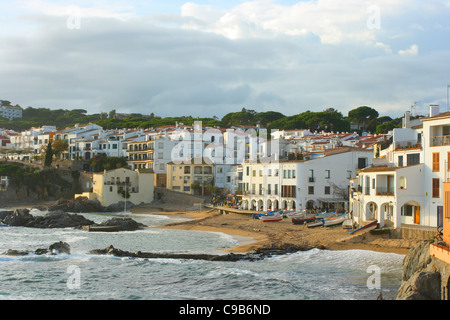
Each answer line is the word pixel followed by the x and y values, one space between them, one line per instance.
pixel 367 227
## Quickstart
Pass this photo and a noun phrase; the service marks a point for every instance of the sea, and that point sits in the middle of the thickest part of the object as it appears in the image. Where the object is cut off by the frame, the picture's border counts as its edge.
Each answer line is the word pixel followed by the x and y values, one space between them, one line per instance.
pixel 307 275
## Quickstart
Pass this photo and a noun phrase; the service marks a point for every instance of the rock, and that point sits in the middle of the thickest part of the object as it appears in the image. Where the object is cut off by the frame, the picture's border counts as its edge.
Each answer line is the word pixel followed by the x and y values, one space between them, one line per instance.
pixel 55 248
pixel 80 204
pixel 119 206
pixel 60 247
pixel 421 286
pixel 12 252
pixel 56 219
pixel 421 279
pixel 3 214
pixel 18 218
pixel 124 224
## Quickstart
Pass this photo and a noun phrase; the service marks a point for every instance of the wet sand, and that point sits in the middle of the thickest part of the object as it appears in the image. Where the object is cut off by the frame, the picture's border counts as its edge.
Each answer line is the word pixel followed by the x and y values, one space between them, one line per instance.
pixel 253 234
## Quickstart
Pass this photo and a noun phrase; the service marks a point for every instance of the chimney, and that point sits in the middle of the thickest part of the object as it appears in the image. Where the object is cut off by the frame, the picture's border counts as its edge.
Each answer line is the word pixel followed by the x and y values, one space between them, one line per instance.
pixel 434 110
pixel 406 119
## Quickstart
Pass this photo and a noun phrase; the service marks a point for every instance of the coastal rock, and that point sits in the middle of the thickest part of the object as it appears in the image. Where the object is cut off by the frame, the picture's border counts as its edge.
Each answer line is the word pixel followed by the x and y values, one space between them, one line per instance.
pixel 57 219
pixel 124 224
pixel 18 218
pixel 55 248
pixel 81 204
pixel 60 247
pixel 421 278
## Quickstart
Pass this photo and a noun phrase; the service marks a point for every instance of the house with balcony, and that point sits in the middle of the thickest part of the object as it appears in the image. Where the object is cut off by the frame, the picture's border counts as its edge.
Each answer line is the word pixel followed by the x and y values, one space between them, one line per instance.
pixel 404 186
pixel 193 178
pixel 118 185
pixel 321 182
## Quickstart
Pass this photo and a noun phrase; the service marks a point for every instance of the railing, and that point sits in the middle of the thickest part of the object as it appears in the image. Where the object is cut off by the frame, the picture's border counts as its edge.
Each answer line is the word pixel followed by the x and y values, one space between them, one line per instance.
pixel 311 179
pixel 440 141
pixel 384 191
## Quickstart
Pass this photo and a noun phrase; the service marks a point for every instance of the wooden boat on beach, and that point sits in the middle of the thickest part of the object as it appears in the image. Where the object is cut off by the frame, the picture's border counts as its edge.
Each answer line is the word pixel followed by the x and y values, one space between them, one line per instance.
pixel 367 227
pixel 258 215
pixel 335 221
pixel 271 218
pixel 303 219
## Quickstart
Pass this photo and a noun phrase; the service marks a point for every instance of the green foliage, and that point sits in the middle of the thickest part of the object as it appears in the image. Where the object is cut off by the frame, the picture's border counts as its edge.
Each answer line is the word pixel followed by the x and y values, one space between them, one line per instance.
pixel 101 162
pixel 48 156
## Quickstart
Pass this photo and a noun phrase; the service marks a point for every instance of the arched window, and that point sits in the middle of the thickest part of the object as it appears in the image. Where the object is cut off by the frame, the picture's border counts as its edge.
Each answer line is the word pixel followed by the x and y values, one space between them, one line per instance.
pixel 402 183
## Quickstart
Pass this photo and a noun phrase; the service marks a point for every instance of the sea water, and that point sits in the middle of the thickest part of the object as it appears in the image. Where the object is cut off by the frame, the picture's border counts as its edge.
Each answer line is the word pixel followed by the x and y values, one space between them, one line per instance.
pixel 307 275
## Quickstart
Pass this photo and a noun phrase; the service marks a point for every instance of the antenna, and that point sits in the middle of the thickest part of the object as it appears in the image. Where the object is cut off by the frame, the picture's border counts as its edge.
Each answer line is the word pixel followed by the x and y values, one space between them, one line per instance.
pixel 413 107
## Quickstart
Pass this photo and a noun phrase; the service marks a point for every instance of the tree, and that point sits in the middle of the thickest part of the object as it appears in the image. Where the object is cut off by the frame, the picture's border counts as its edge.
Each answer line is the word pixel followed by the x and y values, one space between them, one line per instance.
pixel 59 146
pixel 362 115
pixel 48 156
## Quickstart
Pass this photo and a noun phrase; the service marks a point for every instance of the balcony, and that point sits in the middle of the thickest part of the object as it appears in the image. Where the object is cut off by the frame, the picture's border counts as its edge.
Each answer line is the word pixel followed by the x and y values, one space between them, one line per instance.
pixel 440 141
pixel 384 191
pixel 311 179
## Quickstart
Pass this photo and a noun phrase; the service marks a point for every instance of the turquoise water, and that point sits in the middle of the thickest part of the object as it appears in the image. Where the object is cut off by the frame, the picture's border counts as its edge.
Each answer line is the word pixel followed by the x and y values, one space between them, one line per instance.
pixel 309 275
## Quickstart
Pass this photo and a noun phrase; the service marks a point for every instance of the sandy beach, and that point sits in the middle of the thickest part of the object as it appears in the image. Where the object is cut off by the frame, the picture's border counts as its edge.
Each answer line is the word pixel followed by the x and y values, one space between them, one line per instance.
pixel 255 234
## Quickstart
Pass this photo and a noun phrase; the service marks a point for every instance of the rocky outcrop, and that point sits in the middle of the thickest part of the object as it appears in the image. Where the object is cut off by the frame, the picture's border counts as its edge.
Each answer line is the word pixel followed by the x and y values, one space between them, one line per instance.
pixel 123 224
pixel 422 275
pixel 84 205
pixel 57 219
pixel 55 248
pixel 251 256
pixel 60 219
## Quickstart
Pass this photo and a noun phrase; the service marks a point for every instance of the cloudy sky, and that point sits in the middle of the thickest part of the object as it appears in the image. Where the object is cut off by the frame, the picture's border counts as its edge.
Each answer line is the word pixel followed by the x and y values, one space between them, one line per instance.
pixel 210 57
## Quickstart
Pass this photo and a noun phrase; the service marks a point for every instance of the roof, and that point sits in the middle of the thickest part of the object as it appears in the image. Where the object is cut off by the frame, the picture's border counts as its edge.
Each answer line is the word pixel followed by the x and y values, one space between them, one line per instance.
pixel 440 115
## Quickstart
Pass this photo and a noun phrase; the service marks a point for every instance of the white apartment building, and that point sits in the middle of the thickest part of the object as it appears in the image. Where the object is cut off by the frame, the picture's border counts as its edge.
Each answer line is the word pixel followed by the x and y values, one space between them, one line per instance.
pixel 302 184
pixel 11 112
pixel 404 187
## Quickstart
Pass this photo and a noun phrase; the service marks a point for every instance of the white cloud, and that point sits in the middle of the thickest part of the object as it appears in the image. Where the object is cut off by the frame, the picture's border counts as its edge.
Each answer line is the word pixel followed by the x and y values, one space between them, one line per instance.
pixel 413 50
pixel 56 9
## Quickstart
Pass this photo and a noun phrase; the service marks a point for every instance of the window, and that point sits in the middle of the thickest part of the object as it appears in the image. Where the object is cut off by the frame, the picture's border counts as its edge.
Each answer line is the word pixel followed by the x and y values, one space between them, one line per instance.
pixel 373 183
pixel 448 161
pixel 362 163
pixel 285 174
pixel 269 191
pixel 400 161
pixel 327 174
pixel 269 173
pixel 413 158
pixel 402 183
pixel 260 189
pixel 254 173
pixel 435 161
pixel 327 190
pixel 276 189
pixel 293 173
pixel 311 190
pixel 435 188
pixel 349 174
pixel 248 171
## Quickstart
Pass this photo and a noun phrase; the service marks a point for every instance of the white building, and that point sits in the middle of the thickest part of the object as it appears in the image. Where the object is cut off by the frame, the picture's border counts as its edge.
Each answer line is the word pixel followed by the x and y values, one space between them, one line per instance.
pixel 302 184
pixel 122 184
pixel 11 112
pixel 405 186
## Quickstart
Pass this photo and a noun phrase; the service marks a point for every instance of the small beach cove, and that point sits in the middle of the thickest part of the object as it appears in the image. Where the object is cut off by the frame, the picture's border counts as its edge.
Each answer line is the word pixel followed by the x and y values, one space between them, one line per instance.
pixel 254 234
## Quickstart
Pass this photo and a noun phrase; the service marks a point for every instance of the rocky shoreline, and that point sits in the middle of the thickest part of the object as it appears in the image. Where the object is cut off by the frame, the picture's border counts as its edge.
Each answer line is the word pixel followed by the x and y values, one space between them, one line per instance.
pixel 61 219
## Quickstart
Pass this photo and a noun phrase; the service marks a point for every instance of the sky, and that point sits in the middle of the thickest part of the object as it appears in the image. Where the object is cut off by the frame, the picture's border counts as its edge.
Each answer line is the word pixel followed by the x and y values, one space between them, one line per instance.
pixel 207 58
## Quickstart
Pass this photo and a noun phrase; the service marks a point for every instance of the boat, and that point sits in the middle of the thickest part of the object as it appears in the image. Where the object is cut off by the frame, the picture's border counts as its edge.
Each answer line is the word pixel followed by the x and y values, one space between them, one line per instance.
pixel 101 228
pixel 369 226
pixel 296 214
pixel 305 218
pixel 258 215
pixel 271 218
pixel 335 221
pixel 315 224
pixel 347 224
pixel 325 215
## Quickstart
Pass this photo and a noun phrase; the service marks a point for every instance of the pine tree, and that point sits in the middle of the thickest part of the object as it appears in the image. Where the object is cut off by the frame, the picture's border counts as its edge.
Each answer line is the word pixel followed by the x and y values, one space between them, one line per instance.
pixel 48 156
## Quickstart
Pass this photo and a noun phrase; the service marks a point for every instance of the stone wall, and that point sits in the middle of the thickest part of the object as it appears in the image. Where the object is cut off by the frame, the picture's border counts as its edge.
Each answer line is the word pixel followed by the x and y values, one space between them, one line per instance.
pixel 172 197
pixel 424 277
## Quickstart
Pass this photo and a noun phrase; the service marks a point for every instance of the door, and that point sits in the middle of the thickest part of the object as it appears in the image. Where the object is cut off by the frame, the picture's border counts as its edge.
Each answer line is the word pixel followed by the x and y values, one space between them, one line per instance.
pixel 440 216
pixel 416 214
